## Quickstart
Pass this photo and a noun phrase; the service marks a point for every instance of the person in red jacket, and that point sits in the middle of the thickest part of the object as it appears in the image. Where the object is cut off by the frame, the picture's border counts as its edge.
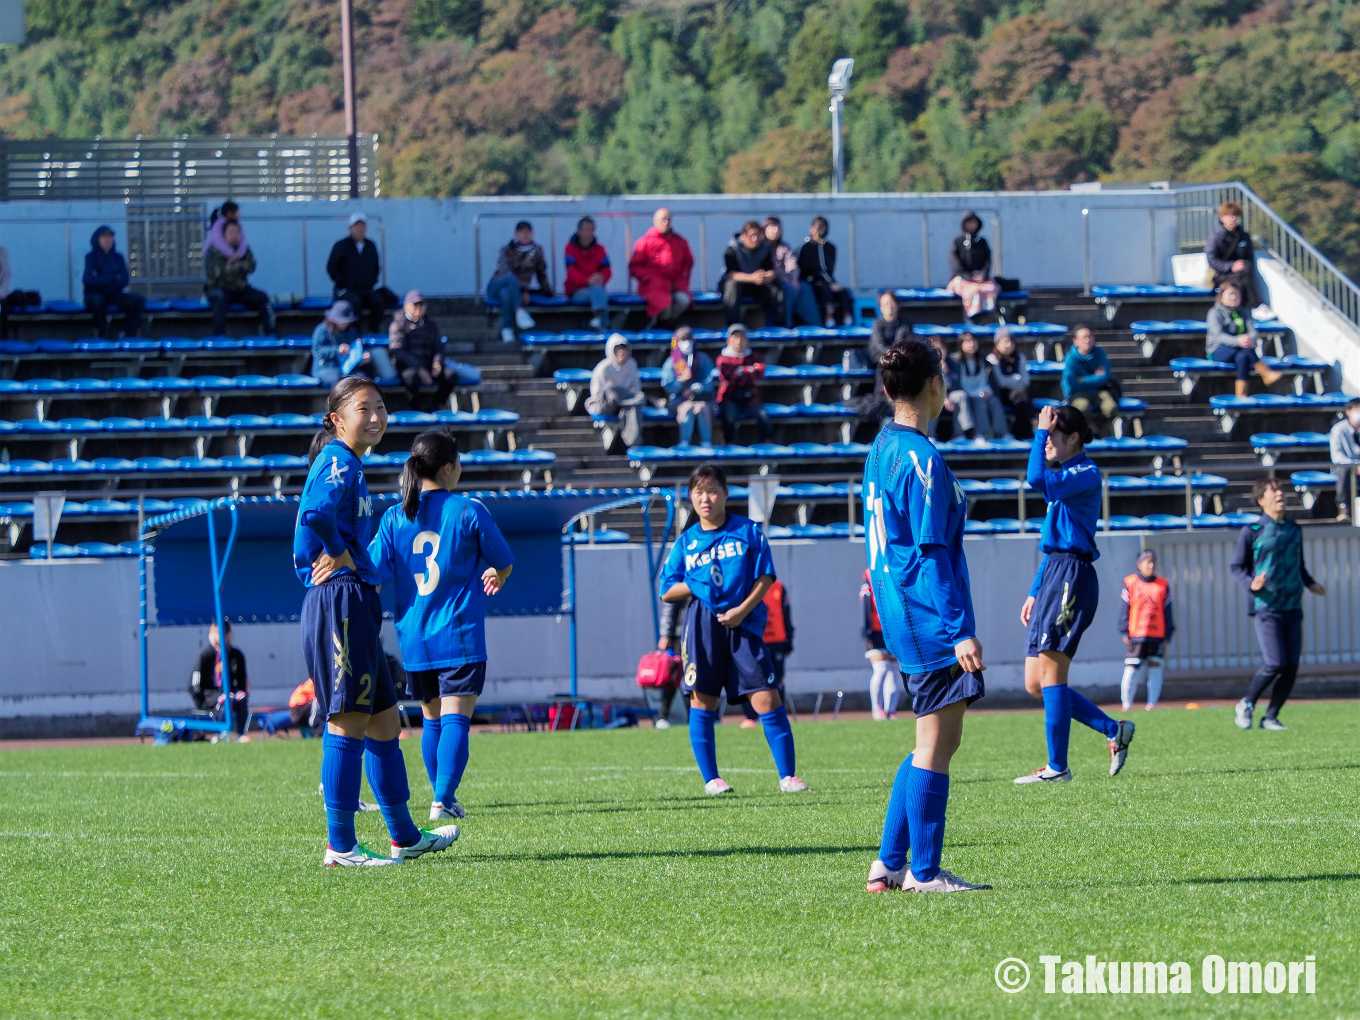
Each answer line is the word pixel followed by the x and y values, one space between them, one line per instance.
pixel 588 271
pixel 738 396
pixel 662 263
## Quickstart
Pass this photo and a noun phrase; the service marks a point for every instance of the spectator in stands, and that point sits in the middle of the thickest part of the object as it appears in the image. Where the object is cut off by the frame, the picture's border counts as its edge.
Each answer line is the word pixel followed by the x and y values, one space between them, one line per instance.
pixel 227 284
pixel 817 261
pixel 1231 255
pixel 205 683
pixel 956 412
pixel 616 388
pixel 799 300
pixel 418 350
pixel 518 265
pixel 687 378
pixel 738 392
pixel 975 376
pixel 355 270
pixel 1344 440
pixel 1010 382
pixel 887 330
pixel 106 281
pixel 662 263
pixel 1230 338
pixel 229 213
pixel 748 272
pixel 970 268
pixel 1087 382
pixel 588 270
pixel 337 349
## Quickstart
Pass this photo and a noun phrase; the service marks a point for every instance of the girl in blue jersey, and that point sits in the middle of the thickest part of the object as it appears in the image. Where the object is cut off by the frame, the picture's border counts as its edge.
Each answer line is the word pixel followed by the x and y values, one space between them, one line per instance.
pixel 431 546
pixel 914 513
pixel 724 562
pixel 341 641
pixel 1062 601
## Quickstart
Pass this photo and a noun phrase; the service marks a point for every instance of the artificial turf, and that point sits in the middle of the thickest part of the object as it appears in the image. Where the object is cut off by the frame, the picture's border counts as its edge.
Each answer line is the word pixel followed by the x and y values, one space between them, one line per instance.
pixel 594 878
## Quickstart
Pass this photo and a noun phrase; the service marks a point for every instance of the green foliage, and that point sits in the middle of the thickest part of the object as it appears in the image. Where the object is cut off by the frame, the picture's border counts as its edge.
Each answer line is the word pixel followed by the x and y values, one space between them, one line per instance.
pixel 878 34
pixel 436 19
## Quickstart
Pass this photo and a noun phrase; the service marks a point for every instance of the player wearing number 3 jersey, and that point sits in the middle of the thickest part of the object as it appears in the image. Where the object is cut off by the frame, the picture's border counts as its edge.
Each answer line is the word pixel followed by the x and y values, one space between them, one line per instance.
pixel 432 548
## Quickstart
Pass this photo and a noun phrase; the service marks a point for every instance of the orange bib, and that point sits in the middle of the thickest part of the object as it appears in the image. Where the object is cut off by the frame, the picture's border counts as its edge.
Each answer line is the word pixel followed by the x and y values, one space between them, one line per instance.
pixel 1147 606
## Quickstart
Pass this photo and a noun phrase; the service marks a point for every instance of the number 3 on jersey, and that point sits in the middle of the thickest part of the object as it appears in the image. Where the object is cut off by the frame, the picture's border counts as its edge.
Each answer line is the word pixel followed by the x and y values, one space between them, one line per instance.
pixel 429 580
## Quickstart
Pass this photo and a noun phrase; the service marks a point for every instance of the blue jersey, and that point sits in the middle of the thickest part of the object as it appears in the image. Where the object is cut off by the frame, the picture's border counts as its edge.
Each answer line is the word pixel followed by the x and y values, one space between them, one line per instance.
pixel 1073 496
pixel 720 567
pixel 335 515
pixel 435 564
pixel 914 514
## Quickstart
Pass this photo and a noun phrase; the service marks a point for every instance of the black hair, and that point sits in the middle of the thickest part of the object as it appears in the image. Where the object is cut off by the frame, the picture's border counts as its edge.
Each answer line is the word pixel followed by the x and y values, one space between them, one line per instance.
pixel 1262 485
pixel 523 225
pixel 430 452
pixel 907 366
pixel 753 225
pixel 1353 402
pixel 581 222
pixel 226 625
pixel 826 227
pixel 708 473
pixel 1071 421
pixel 773 221
pixel 229 207
pixel 341 394
pixel 1079 327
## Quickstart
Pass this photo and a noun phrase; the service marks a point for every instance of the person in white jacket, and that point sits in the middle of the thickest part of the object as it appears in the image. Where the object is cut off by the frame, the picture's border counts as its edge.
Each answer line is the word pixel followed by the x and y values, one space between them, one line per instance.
pixel 616 388
pixel 989 416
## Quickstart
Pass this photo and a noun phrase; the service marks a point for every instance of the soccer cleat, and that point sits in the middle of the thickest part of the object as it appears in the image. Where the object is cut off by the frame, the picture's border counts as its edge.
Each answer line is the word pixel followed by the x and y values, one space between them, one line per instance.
pixel 716 786
pixel 523 319
pixel 431 841
pixel 1119 746
pixel 943 882
pixel 360 857
pixel 883 880
pixel 879 714
pixel 749 724
pixel 438 811
pixel 1045 775
pixel 1245 709
pixel 661 724
pixel 1272 724
pixel 792 784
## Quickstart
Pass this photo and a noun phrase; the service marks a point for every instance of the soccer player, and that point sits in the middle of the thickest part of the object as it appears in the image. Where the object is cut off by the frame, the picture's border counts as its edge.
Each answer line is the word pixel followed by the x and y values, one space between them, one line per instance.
pixel 885 683
pixel 341 639
pixel 1146 622
pixel 724 562
pixel 914 512
pixel 1062 601
pixel 1268 561
pixel 431 546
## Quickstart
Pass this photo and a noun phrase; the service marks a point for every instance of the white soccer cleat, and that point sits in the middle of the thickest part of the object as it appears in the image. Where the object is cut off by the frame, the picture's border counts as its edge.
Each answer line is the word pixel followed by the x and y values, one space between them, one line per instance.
pixel 523 319
pixel 360 857
pixel 716 786
pixel 661 724
pixel 943 882
pixel 1119 746
pixel 438 811
pixel 882 880
pixel 1243 713
pixel 792 784
pixel 1272 724
pixel 431 841
pixel 1045 775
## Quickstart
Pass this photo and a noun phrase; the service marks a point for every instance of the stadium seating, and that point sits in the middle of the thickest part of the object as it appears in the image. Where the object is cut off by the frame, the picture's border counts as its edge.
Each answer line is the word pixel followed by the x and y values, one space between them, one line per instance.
pixel 1151 333
pixel 1310 484
pixel 1111 298
pixel 574 383
pixel 1271 446
pixel 1322 407
pixel 1191 370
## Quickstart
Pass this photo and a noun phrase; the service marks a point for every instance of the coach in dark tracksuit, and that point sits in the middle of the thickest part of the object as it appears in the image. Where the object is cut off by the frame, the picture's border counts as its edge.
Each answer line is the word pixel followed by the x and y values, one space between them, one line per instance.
pixel 1268 561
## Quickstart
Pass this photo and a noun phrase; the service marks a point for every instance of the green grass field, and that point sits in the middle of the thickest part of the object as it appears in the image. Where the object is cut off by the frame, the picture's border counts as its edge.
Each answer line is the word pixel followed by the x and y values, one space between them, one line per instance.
pixel 595 879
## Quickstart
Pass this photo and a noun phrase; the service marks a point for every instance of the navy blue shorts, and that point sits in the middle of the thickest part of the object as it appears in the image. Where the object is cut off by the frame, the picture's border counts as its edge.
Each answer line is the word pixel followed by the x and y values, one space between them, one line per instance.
pixel 1145 648
pixel 939 688
pixel 456 682
pixel 717 657
pixel 1064 607
pixel 342 646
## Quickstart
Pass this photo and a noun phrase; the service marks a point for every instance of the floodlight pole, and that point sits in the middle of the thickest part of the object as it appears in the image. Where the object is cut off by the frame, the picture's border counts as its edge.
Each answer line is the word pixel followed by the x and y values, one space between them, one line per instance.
pixel 351 121
pixel 839 82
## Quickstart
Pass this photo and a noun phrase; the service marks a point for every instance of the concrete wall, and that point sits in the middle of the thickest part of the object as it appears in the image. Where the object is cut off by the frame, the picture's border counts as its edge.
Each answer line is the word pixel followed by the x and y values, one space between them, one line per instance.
pixel 47 242
pixel 1320 331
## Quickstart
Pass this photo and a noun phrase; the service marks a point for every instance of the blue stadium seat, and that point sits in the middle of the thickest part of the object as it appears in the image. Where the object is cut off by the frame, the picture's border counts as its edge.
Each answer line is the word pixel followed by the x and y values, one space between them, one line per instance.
pixel 156 465
pixel 195 464
pixel 296 343
pixel 208 423
pixel 114 424
pixel 180 344
pixel 284 462
pixel 16 508
pixel 7 427
pixel 263 343
pixel 114 465
pixel 131 384
pixel 105 508
pixel 99 549
pixel 296 381
pixel 26 467
pixel 249 422
pixel 213 383
pixel 18 347
pixel 1308 484
pixel 72 467
pixel 188 305
pixel 296 421
pixel 315 303
pixel 171 384
pixel 96 346
pixel 56 346
pixel 601 536
pixel 59 551
pixel 165 424
pixel 35 426
pixel 222 343
pixel 242 464
pixel 1149 290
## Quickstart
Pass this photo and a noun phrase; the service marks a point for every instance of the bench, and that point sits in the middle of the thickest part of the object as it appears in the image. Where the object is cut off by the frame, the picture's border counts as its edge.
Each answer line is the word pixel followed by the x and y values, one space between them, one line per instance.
pixel 574 383
pixel 607 424
pixel 1310 484
pixel 812 339
pixel 1110 298
pixel 1191 370
pixel 1271 446
pixel 1149 333
pixel 1230 409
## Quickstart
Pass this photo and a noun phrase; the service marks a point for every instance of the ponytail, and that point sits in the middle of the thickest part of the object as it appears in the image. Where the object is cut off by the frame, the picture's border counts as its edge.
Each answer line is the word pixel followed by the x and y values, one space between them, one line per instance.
pixel 341 394
pixel 430 453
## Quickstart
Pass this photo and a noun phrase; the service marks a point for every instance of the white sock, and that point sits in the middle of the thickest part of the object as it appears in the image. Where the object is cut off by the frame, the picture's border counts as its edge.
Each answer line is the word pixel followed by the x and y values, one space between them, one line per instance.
pixel 1128 686
pixel 1154 682
pixel 876 678
pixel 892 689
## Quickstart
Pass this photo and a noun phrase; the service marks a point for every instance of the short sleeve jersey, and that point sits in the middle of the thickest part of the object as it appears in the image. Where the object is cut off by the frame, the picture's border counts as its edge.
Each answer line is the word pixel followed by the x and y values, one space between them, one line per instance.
pixel 720 567
pixel 335 488
pixel 913 502
pixel 435 565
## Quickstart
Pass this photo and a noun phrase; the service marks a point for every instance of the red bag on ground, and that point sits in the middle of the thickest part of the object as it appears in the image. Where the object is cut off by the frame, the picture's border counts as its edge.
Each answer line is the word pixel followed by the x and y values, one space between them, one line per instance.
pixel 658 669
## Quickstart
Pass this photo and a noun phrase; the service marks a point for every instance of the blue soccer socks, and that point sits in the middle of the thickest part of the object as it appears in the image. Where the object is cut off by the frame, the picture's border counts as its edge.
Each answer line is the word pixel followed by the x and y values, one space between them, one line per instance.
pixel 701 722
pixel 453 756
pixel 896 832
pixel 341 772
pixel 927 796
pixel 429 750
pixel 1057 724
pixel 386 769
pixel 1084 712
pixel 779 735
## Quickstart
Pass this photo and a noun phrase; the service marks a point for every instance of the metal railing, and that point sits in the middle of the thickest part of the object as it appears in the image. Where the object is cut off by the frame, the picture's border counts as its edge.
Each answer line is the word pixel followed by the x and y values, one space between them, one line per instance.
pixel 1197 215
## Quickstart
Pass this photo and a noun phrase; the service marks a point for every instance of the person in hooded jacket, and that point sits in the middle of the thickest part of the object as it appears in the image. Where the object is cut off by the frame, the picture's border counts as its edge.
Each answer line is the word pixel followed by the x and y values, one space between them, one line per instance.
pixel 616 388
pixel 748 272
pixel 970 266
pixel 106 281
pixel 588 271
